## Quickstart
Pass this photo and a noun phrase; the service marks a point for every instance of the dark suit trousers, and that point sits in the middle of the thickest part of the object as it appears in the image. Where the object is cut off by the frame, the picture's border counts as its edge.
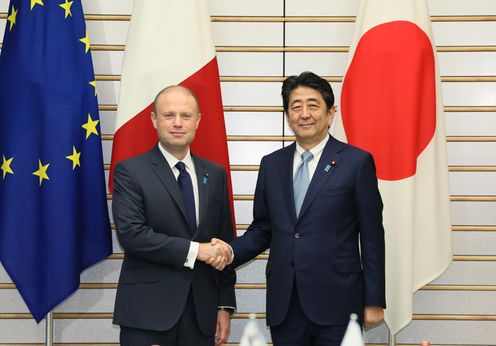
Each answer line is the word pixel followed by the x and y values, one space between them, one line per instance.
pixel 185 333
pixel 298 330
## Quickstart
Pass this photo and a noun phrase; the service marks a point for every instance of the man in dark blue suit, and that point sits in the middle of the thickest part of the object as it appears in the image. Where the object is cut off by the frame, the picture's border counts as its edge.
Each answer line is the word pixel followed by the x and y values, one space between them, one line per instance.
pixel 317 207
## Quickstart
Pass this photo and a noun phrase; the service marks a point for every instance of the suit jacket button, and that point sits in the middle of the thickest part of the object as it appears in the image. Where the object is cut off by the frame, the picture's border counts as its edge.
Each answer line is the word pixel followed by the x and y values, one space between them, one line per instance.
pixel 297 235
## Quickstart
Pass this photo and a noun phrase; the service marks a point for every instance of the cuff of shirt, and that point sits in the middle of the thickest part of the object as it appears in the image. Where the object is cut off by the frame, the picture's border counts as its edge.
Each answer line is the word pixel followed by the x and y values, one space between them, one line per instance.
pixel 194 247
pixel 228 309
pixel 232 255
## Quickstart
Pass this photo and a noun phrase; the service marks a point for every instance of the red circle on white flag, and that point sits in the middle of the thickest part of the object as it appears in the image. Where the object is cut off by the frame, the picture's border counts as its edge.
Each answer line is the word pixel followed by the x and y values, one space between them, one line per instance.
pixel 388 100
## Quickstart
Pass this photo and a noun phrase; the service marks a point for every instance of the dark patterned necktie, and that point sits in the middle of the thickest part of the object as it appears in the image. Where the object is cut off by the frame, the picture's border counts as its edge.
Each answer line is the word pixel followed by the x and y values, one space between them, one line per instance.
pixel 186 186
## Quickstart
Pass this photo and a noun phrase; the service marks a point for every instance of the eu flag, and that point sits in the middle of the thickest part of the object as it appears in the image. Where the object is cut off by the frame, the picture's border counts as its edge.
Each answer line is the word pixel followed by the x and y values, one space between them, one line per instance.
pixel 53 210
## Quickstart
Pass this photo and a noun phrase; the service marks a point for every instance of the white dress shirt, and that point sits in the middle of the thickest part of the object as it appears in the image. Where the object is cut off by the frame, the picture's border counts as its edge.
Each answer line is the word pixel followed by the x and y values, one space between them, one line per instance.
pixel 312 164
pixel 190 168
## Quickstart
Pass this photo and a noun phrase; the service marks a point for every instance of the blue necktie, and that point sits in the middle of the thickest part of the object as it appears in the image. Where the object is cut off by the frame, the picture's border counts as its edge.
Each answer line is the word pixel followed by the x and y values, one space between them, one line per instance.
pixel 186 186
pixel 301 180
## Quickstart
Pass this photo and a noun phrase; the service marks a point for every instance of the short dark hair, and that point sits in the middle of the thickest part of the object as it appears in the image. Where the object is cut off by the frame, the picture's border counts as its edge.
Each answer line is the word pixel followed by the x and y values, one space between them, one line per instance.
pixel 309 80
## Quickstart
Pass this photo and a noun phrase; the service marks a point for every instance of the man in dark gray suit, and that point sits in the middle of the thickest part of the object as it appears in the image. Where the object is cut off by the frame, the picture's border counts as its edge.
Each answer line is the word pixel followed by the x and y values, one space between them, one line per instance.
pixel 167 205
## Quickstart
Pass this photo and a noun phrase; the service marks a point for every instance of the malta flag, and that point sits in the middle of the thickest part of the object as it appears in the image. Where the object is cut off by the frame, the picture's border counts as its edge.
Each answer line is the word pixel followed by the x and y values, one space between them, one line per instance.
pixel 391 106
pixel 169 42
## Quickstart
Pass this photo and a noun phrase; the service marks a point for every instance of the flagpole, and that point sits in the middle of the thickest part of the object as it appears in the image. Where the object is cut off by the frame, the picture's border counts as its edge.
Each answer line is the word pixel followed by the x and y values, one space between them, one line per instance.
pixel 49 329
pixel 391 338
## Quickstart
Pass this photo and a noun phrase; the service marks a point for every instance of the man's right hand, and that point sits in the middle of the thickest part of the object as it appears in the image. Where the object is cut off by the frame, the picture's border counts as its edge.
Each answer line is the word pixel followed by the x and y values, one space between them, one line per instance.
pixel 226 248
pixel 214 255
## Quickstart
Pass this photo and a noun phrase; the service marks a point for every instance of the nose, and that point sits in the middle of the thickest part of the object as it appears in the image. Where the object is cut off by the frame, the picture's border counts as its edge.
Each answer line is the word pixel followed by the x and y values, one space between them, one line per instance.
pixel 305 112
pixel 177 122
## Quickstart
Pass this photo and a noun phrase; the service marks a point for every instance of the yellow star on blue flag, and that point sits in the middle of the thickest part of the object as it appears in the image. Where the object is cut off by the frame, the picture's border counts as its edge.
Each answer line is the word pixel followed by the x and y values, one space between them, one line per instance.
pixel 54 221
pixel 67 8
pixel 12 17
pixel 6 166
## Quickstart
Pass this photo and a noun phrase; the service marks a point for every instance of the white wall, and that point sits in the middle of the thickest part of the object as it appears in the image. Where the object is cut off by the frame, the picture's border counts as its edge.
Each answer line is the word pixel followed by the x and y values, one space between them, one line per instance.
pixel 462 308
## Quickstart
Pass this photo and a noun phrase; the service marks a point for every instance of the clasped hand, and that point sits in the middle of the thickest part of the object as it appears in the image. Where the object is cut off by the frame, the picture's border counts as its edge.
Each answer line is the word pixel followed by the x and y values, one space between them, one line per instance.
pixel 216 253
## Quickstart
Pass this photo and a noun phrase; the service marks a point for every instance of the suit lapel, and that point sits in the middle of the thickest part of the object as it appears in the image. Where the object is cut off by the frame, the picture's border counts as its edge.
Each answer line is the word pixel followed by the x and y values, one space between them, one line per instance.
pixel 164 173
pixel 286 176
pixel 325 169
pixel 203 190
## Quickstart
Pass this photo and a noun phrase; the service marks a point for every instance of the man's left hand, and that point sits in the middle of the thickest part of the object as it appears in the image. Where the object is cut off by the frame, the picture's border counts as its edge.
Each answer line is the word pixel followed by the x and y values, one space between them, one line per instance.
pixel 372 315
pixel 223 327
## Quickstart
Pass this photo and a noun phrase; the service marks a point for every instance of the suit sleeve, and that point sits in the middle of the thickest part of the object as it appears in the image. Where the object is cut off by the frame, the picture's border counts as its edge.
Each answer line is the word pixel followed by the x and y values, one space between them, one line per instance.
pixel 226 279
pixel 369 208
pixel 257 237
pixel 134 235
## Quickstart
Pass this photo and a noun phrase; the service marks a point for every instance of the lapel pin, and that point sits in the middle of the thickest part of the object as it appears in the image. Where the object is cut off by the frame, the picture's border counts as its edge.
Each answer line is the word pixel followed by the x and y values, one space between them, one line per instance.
pixel 205 179
pixel 328 166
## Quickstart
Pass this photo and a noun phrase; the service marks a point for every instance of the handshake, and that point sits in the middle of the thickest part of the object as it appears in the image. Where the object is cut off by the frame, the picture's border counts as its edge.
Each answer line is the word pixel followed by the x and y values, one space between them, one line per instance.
pixel 217 253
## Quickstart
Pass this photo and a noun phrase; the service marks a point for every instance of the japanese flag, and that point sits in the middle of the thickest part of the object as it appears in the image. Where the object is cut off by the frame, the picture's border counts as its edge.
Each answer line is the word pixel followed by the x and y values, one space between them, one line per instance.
pixel 391 106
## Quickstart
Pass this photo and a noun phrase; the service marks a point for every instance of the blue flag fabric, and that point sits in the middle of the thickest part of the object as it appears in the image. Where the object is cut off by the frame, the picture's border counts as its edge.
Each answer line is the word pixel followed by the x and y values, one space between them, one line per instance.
pixel 53 209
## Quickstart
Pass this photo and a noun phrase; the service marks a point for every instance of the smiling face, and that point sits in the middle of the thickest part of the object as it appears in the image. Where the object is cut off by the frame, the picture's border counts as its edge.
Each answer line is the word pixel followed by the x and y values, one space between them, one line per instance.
pixel 176 119
pixel 308 116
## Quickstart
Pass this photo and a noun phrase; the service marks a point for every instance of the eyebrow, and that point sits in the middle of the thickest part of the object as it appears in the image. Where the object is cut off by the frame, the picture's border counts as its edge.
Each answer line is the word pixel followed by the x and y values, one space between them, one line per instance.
pixel 307 100
pixel 313 100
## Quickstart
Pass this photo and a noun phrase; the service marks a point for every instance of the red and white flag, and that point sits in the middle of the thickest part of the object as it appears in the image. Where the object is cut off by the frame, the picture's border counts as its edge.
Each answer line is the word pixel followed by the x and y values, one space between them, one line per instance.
pixel 169 42
pixel 391 106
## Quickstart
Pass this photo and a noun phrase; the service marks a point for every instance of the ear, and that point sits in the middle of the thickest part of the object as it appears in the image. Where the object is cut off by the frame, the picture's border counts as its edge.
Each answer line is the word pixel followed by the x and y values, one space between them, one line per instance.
pixel 331 113
pixel 153 117
pixel 198 118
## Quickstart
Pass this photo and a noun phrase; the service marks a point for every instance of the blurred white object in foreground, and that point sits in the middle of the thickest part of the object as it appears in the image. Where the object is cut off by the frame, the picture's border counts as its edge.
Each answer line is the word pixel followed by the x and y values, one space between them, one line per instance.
pixel 353 335
pixel 252 336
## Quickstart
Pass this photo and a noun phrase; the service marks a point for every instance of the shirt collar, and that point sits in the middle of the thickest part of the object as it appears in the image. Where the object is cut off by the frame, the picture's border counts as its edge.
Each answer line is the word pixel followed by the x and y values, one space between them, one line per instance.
pixel 172 160
pixel 316 150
